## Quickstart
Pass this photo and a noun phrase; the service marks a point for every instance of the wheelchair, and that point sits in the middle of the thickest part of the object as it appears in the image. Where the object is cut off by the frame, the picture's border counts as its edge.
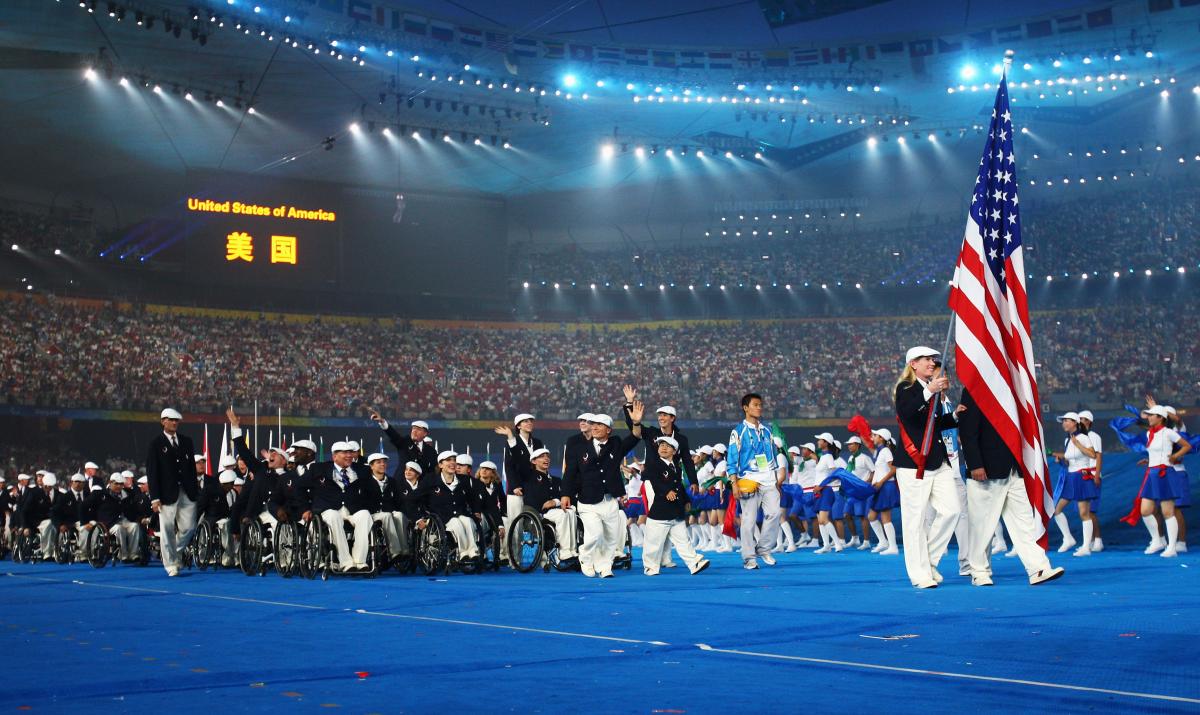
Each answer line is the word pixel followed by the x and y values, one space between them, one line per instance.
pixel 318 554
pixel 105 548
pixel 536 544
pixel 66 546
pixel 205 549
pixel 26 547
pixel 255 551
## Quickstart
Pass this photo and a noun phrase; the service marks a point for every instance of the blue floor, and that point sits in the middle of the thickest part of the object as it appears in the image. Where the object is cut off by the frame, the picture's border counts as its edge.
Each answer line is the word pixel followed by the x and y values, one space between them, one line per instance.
pixel 1117 633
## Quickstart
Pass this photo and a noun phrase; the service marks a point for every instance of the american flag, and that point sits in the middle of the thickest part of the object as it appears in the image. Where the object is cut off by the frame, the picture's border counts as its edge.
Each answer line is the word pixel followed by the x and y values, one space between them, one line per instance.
pixel 991 309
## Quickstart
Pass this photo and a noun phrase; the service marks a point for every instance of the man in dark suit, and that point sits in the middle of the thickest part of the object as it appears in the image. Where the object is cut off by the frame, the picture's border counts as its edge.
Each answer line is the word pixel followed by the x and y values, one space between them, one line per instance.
pixel 35 514
pixel 412 447
pixel 925 479
pixel 579 441
pixel 667 506
pixel 996 489
pixel 593 483
pixel 335 493
pixel 174 492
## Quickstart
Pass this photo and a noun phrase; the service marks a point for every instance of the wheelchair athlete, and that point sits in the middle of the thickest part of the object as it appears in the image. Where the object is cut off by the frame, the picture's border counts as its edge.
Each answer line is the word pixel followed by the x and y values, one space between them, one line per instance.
pixel 543 493
pixel 335 492
pixel 115 510
pixel 216 507
pixel 453 501
pixel 382 498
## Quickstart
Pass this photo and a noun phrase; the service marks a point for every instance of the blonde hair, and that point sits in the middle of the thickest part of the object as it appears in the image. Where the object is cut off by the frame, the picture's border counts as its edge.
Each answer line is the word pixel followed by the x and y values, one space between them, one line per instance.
pixel 908 377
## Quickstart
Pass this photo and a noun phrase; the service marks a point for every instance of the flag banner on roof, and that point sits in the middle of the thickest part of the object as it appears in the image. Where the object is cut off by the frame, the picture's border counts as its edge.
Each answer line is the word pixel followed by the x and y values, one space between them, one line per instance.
pixel 994 350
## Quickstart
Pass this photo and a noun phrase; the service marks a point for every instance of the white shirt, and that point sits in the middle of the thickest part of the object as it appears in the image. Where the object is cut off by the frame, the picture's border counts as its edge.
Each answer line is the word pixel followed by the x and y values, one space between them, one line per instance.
pixel 704 474
pixel 825 467
pixel 864 466
pixel 1076 459
pixel 1160 449
pixel 883 464
pixel 808 477
pixel 633 487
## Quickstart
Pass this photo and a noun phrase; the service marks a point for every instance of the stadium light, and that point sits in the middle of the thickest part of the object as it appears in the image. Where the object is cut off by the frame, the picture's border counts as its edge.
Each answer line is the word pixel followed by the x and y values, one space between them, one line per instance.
pixel 968 72
pixel 570 80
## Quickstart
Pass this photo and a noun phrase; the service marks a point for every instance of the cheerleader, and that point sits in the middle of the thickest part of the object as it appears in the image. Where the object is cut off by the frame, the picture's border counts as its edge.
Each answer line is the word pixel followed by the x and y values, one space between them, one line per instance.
pixel 1161 456
pixel 827 496
pixel 887 494
pixel 703 496
pixel 794 493
pixel 1180 483
pixel 724 492
pixel 808 481
pixel 635 506
pixel 862 466
pixel 786 540
pixel 1079 485
pixel 1086 419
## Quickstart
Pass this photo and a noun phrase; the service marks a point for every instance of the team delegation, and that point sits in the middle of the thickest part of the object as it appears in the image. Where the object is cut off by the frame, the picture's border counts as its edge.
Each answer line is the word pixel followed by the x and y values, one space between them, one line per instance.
pixel 752 494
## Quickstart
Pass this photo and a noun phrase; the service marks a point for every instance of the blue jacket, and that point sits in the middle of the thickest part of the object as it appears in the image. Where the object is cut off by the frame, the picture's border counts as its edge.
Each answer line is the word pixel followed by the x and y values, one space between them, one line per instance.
pixel 745 443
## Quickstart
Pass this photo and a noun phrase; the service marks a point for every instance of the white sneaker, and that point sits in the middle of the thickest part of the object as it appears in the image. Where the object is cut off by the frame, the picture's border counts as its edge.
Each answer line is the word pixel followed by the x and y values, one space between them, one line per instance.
pixel 750 565
pixel 813 544
pixel 700 566
pixel 777 550
pixel 587 570
pixel 839 546
pixel 853 541
pixel 648 572
pixel 889 551
pixel 793 547
pixel 172 571
pixel 724 549
pixel 1067 546
pixel 1010 554
pixel 999 548
pixel 824 550
pixel 768 559
pixel 937 575
pixel 606 573
pixel 1155 546
pixel 670 565
pixel 1170 552
pixel 879 547
pixel 1082 551
pixel 1098 545
pixel 1044 576
pixel 1180 546
pixel 981 581
pixel 864 546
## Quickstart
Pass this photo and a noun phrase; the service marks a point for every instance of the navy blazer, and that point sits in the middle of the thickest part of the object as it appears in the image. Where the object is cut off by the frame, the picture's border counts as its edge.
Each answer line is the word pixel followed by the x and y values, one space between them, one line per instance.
pixel 170 470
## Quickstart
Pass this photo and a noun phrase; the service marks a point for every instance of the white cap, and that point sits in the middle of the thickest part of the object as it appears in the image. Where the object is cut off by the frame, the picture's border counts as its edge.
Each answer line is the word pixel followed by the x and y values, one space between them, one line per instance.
pixel 427 440
pixel 809 446
pixel 116 477
pixel 854 439
pixel 91 465
pixel 306 444
pixel 353 446
pixel 666 410
pixel 585 417
pixel 1068 416
pixel 919 351
pixel 227 477
pixel 40 472
pixel 199 458
pixel 238 481
pixel 376 455
pixel 49 480
pixel 448 454
pixel 793 449
pixel 777 442
pixel 825 436
pixel 1168 408
pixel 143 480
pixel 488 464
pixel 420 423
pixel 228 461
pixel 837 444
pixel 706 449
pixel 344 447
pixel 720 448
pixel 668 440
pixel 1159 410
pixel 24 477
pixel 538 452
pixel 883 432
pixel 464 459
pixel 1087 415
pixel 521 418
pixel 601 420
pixel 170 414
pixel 413 466
pixel 77 477
pixel 127 474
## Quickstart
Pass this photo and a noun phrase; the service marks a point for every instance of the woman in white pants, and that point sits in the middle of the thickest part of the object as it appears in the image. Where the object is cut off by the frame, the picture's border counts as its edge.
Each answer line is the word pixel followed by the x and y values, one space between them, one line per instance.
pixel 924 472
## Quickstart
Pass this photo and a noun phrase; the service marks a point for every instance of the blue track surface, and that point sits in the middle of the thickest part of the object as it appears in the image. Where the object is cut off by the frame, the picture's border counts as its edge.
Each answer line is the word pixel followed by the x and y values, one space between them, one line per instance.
pixel 806 634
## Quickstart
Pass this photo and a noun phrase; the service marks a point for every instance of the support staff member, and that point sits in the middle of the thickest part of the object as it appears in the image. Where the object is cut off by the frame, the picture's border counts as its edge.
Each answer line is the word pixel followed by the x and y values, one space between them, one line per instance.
pixel 755 479
pixel 996 490
pixel 924 480
pixel 174 492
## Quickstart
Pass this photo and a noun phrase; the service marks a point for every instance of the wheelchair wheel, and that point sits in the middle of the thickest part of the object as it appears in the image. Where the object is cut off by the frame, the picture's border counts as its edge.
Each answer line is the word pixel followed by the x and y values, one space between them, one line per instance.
pixel 64 547
pixel 378 556
pixel 526 542
pixel 310 550
pixel 252 548
pixel 324 563
pixel 101 547
pixel 625 560
pixel 143 558
pixel 287 549
pixel 489 546
pixel 407 563
pixel 201 546
pixel 434 550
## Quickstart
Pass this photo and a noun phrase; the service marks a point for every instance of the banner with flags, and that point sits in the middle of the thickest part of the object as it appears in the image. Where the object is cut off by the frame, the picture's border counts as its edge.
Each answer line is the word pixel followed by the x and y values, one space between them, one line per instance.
pixel 994 350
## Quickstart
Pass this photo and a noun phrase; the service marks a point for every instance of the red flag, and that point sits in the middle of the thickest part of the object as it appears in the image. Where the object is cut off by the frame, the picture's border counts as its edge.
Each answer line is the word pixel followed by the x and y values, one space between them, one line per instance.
pixel 1135 513
pixel 994 350
pixel 859 426
pixel 728 528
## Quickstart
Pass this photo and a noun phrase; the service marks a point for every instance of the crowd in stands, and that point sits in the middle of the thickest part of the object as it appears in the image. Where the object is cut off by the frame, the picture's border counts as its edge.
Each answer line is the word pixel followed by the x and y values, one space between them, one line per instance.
pixel 65 353
pixel 1149 228
pixel 43 231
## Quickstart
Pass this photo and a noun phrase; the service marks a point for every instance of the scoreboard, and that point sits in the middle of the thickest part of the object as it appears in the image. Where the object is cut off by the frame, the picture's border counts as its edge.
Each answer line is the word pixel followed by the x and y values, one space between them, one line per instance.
pixel 245 228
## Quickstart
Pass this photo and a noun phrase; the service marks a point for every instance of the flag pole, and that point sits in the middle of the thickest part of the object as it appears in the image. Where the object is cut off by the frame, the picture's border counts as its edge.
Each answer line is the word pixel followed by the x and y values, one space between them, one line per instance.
pixel 256 426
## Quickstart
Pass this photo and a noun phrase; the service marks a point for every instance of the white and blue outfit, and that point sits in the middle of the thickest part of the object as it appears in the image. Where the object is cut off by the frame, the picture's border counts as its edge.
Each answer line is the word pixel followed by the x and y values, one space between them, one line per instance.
pixel 752 456
pixel 887 496
pixel 862 466
pixel 1080 481
pixel 1160 445
pixel 829 493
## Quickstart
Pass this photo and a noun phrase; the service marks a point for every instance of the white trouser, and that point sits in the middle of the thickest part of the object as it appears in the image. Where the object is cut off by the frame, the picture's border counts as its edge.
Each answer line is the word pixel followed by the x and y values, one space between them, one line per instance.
pixel 129 539
pixel 228 543
pixel 924 547
pixel 46 538
pixel 394 530
pixel 87 539
pixel 513 506
pixel 657 532
pixel 564 530
pixel 361 520
pixel 987 502
pixel 767 497
pixel 462 528
pixel 603 533
pixel 177 523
